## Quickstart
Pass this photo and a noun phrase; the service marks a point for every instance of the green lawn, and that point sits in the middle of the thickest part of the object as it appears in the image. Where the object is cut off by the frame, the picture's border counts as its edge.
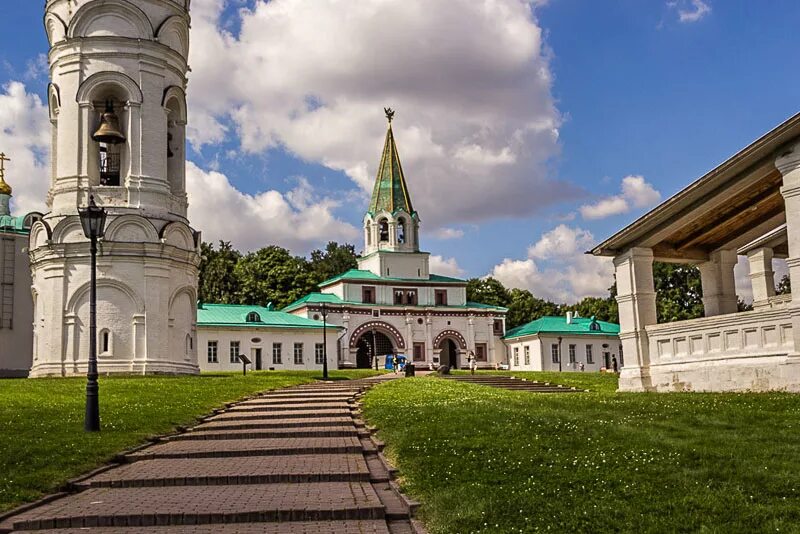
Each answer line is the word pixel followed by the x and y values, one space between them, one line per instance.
pixel 490 460
pixel 42 442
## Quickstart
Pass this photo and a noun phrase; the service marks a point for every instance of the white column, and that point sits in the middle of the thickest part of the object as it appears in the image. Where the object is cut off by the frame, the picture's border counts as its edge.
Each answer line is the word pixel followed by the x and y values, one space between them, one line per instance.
pixel 789 166
pixel 636 297
pixel 719 283
pixel 762 277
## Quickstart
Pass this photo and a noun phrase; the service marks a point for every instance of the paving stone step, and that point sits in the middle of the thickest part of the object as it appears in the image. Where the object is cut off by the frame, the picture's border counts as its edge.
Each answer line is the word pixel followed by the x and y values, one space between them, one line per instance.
pixel 309 432
pixel 228 471
pixel 289 407
pixel 248 447
pixel 197 505
pixel 275 423
pixel 295 527
pixel 279 414
pixel 293 401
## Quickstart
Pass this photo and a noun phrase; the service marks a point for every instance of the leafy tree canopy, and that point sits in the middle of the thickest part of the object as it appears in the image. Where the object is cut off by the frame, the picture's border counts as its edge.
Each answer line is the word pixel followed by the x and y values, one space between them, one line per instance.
pixel 333 261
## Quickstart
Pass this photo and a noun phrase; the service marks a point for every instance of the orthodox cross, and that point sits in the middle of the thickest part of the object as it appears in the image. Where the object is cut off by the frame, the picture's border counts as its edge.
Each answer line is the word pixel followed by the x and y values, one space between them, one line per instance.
pixel 3 160
pixel 389 114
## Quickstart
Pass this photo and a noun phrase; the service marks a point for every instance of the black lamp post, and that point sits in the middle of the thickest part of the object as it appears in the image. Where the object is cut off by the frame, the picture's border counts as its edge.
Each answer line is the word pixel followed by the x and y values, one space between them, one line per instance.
pixel 93 220
pixel 324 341
pixel 374 349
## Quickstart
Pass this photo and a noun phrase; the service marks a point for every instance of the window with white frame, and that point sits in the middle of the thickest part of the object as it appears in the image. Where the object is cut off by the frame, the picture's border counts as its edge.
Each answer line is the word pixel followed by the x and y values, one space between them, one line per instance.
pixel 234 351
pixel 554 352
pixel 298 354
pixel 572 354
pixel 277 356
pixel 589 355
pixel 319 353
pixel 527 354
pixel 516 356
pixel 104 341
pixel 212 352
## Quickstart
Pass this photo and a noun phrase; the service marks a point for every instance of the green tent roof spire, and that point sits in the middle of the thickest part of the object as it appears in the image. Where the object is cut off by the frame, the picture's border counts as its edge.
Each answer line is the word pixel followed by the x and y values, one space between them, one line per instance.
pixel 391 192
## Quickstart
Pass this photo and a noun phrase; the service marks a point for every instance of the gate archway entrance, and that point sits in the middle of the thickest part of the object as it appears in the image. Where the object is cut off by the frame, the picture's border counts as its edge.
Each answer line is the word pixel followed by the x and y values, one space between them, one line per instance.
pixel 449 353
pixel 371 344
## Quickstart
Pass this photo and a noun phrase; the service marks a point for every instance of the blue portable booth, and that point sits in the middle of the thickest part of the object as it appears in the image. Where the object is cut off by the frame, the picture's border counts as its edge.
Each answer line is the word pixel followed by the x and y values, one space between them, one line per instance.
pixel 401 362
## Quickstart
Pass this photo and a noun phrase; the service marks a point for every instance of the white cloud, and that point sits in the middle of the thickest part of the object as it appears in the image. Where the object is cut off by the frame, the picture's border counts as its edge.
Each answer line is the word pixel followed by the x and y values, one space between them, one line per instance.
pixel 557 268
pixel 446 267
pixel 690 12
pixel 636 193
pixel 448 233
pixel 297 220
pixel 476 120
pixel 25 138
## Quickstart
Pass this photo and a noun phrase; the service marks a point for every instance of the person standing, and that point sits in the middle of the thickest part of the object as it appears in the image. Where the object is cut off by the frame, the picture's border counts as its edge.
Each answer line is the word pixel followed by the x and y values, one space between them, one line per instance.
pixel 473 364
pixel 614 363
pixel 394 363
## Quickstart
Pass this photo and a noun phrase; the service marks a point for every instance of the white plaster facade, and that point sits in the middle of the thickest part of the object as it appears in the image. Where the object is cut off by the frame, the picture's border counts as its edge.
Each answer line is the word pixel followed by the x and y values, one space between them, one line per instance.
pixel 133 54
pixel 536 353
pixel 748 205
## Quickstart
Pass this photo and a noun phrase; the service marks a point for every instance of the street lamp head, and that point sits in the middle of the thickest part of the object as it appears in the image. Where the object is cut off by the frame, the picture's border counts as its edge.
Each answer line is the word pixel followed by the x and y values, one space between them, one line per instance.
pixel 93 220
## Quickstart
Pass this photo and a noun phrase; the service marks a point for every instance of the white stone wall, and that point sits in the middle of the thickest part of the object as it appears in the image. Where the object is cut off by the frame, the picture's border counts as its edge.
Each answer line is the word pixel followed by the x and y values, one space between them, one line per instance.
pixel 397 264
pixel 250 339
pixel 16 339
pixel 541 356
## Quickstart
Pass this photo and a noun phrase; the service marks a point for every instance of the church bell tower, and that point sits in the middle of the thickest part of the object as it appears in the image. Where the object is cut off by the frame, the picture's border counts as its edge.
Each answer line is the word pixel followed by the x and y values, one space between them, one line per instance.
pixel 117 102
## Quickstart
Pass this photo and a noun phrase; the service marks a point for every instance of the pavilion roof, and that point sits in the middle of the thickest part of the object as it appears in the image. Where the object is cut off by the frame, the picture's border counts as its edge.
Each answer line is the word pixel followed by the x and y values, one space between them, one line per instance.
pixel 390 193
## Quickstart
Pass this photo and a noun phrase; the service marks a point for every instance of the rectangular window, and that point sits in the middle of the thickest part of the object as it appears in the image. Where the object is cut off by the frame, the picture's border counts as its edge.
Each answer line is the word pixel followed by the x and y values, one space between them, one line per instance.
pixel 277 356
pixel 527 354
pixel 554 353
pixel 419 352
pixel 498 327
pixel 398 296
pixel 234 352
pixel 319 353
pixel 298 354
pixel 440 296
pixel 212 352
pixel 516 356
pixel 589 355
pixel 411 297
pixel 368 295
pixel 480 352
pixel 572 354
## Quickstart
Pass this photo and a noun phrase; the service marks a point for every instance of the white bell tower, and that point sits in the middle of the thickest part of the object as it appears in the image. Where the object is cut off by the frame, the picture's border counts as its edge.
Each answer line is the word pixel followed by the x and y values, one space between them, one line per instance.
pixel 118 111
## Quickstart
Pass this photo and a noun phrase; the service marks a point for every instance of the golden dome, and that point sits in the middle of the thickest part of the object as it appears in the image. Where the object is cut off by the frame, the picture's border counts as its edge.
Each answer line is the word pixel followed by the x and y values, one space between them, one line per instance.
pixel 5 189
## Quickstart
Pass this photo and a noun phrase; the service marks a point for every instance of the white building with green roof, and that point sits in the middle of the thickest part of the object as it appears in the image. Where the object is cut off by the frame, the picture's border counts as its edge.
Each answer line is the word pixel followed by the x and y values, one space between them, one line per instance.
pixel 565 343
pixel 393 304
pixel 271 340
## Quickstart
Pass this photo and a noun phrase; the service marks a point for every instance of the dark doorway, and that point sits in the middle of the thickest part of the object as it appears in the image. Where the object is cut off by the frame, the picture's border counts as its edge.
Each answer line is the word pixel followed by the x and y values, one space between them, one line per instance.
pixel 365 345
pixel 257 354
pixel 607 360
pixel 449 354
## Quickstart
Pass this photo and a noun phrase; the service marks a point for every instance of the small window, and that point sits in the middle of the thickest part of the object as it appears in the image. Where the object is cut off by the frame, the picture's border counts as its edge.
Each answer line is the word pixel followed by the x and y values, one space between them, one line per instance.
pixel 277 357
pixel 572 358
pixel 589 355
pixel 411 297
pixel 212 352
pixel 234 352
pixel 419 352
pixel 253 317
pixel 594 326
pixel 189 344
pixel 516 356
pixel 376 313
pixel 554 353
pixel 498 327
pixel 319 353
pixel 298 354
pixel 399 295
pixel 368 295
pixel 256 340
pixel 105 342
pixel 527 354
pixel 480 352
pixel 440 296
pixel 420 320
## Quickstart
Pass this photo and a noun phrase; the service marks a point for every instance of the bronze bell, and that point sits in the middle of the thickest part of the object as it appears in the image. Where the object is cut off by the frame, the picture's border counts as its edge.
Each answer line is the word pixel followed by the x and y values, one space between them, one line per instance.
pixel 109 132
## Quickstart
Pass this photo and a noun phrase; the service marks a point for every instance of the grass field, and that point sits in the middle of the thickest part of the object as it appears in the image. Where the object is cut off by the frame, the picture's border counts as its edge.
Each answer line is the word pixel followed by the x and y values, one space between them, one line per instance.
pixel 489 460
pixel 42 442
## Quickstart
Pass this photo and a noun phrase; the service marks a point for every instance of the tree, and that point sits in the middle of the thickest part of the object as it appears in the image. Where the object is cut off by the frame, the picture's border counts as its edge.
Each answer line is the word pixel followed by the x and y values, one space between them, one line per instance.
pixel 784 287
pixel 602 309
pixel 487 291
pixel 523 308
pixel 273 275
pixel 217 283
pixel 333 261
pixel 679 294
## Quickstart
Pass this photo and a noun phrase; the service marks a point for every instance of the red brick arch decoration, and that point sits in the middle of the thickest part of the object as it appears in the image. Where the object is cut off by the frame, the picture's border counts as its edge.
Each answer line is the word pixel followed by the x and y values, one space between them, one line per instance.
pixel 379 326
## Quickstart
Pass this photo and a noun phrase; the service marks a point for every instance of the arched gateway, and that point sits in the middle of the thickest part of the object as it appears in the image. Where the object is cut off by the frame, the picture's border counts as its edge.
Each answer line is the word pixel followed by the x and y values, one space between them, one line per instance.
pixel 375 338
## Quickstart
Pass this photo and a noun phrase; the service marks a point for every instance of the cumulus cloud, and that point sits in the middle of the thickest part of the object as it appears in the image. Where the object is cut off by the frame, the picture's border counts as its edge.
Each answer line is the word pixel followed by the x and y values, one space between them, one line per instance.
pixel 448 233
pixel 25 138
pixel 446 267
pixel 476 122
pixel 690 11
pixel 297 220
pixel 636 193
pixel 557 269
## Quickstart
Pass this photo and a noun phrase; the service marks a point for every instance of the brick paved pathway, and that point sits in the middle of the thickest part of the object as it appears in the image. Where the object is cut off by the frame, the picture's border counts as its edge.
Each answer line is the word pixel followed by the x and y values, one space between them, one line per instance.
pixel 298 460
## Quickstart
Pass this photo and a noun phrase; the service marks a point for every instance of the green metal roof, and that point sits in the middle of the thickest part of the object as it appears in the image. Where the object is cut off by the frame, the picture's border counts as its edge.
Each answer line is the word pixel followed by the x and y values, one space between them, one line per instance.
pixel 390 193
pixel 366 276
pixel 11 224
pixel 558 325
pixel 328 298
pixel 236 315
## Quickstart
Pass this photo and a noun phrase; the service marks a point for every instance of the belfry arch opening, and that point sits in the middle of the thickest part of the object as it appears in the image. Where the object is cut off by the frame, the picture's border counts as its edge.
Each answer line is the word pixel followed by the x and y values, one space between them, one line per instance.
pixel 383 230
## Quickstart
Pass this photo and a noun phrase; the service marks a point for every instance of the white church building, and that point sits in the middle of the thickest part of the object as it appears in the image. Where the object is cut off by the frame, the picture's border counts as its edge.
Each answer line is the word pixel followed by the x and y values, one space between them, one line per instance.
pixel 118 112
pixel 393 304
pixel 747 206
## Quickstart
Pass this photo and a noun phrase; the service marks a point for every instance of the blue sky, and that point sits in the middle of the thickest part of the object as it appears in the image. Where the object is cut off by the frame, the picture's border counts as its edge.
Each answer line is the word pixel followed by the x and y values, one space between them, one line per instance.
pixel 635 91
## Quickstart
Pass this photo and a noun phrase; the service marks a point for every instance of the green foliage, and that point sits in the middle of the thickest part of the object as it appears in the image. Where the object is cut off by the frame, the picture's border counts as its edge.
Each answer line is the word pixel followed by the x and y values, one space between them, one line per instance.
pixel 603 309
pixel 523 307
pixel 784 287
pixel 333 261
pixel 217 281
pixel 488 460
pixel 678 292
pixel 273 275
pixel 41 420
pixel 487 291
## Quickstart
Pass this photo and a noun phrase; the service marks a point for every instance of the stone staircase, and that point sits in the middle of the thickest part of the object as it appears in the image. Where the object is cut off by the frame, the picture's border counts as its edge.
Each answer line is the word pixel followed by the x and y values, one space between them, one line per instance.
pixel 512 383
pixel 295 460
